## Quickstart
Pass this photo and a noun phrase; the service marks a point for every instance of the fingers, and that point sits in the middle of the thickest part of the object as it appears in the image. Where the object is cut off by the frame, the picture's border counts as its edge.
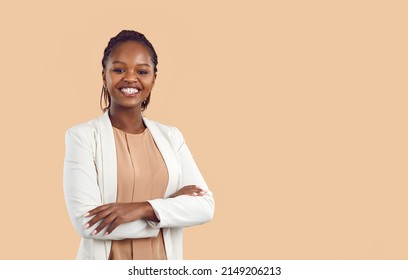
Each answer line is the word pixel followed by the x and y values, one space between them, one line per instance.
pixel 114 225
pixel 110 217
pixel 101 216
pixel 194 190
pixel 104 213
pixel 191 190
pixel 105 223
pixel 97 210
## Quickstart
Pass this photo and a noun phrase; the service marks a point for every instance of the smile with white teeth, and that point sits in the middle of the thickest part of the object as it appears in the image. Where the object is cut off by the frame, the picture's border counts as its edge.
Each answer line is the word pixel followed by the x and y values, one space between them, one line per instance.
pixel 129 90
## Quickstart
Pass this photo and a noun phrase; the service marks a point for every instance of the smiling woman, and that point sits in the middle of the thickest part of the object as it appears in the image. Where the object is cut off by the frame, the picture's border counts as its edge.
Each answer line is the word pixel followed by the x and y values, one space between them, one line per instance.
pixel 131 183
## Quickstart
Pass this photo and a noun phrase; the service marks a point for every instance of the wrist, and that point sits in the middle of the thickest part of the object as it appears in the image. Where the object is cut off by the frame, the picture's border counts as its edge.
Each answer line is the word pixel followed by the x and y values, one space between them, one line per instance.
pixel 148 212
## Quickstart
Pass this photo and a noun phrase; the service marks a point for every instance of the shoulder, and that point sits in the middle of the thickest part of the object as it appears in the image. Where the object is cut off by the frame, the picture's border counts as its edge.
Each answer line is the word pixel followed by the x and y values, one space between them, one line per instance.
pixel 171 132
pixel 86 130
pixel 160 126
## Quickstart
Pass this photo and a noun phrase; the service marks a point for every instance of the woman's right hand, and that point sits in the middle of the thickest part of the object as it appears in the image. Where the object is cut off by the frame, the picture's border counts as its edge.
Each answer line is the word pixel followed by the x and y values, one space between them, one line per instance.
pixel 192 190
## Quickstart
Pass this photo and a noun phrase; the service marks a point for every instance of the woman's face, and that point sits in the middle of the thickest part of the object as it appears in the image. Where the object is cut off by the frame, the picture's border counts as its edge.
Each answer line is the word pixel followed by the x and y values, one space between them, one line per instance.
pixel 129 75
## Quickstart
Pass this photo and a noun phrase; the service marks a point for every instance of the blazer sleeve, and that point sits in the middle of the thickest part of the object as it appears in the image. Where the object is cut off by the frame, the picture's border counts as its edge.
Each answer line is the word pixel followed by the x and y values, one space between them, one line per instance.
pixel 83 194
pixel 184 210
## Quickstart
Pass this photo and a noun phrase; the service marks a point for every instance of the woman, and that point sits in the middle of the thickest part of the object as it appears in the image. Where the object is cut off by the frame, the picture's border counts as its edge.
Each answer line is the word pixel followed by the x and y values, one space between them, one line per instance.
pixel 131 183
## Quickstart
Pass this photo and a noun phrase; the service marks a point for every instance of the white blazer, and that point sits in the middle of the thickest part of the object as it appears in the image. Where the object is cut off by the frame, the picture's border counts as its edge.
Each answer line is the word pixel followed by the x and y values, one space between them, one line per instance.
pixel 90 180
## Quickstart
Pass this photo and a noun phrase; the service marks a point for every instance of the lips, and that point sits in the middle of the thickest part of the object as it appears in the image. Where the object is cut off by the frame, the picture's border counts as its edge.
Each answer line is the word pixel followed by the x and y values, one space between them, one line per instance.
pixel 129 90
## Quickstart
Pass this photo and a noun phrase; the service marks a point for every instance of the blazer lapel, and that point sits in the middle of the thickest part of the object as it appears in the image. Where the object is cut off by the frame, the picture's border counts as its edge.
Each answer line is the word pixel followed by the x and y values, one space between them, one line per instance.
pixel 108 159
pixel 163 144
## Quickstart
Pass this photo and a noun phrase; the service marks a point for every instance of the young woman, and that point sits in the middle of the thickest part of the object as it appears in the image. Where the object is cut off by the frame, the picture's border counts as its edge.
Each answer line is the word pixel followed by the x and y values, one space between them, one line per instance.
pixel 131 183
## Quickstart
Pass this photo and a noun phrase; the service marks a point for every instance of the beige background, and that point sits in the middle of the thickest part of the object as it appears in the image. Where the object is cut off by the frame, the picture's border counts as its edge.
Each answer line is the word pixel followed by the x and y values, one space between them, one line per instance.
pixel 295 112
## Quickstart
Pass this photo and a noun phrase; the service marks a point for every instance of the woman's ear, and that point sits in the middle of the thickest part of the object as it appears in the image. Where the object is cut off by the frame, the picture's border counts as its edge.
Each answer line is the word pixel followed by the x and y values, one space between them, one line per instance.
pixel 104 77
pixel 154 80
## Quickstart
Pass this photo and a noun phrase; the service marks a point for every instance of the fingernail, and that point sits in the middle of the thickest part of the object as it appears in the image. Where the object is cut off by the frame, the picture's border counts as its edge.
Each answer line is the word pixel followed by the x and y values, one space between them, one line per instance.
pixel 86 215
pixel 94 232
pixel 86 225
pixel 195 193
pixel 202 192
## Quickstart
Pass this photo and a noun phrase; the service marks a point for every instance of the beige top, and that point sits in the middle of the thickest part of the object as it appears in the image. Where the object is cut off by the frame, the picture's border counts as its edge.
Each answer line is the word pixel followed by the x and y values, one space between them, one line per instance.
pixel 142 175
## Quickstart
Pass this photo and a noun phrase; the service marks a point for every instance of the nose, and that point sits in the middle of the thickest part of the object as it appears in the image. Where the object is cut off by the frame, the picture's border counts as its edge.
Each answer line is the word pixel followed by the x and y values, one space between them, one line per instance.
pixel 130 77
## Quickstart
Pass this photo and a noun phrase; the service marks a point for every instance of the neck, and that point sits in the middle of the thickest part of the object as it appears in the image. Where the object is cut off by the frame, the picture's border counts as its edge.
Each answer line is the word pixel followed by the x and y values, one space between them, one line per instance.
pixel 127 120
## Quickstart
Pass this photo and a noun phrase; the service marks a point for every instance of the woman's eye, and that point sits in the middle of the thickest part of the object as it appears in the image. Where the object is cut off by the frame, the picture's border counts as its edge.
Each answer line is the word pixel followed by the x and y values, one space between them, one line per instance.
pixel 143 72
pixel 119 70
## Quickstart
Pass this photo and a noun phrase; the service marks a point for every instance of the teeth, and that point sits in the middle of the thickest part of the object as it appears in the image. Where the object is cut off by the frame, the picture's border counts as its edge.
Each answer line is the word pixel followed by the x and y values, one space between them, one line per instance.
pixel 129 90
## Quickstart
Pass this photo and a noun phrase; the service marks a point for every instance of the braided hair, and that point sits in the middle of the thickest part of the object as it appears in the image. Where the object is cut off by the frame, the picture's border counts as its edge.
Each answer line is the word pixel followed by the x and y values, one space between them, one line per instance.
pixel 121 37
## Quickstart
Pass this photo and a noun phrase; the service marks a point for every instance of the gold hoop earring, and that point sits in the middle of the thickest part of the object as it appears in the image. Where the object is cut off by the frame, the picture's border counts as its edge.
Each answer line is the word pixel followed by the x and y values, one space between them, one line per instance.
pixel 104 98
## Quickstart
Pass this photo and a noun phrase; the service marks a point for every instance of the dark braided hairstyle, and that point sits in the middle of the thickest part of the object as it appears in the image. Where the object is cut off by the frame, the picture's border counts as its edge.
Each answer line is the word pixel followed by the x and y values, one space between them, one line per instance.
pixel 124 36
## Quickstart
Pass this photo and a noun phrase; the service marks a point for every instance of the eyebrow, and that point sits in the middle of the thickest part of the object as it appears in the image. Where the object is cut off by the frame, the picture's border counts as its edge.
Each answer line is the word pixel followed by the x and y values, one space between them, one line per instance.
pixel 140 64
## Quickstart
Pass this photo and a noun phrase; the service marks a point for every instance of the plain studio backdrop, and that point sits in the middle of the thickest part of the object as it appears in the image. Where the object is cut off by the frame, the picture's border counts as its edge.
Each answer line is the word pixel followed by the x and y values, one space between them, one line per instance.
pixel 295 112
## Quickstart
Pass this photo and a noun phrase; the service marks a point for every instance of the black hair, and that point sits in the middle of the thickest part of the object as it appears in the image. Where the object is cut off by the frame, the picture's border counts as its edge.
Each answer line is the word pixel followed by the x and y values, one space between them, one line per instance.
pixel 121 37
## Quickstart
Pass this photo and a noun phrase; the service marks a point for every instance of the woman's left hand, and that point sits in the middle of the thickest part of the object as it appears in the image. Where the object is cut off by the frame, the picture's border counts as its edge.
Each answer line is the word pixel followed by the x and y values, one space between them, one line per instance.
pixel 114 214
